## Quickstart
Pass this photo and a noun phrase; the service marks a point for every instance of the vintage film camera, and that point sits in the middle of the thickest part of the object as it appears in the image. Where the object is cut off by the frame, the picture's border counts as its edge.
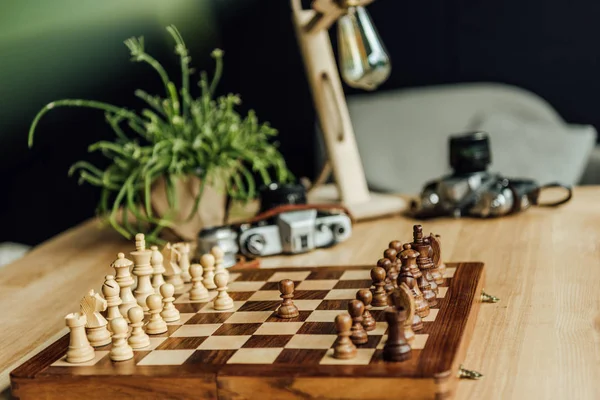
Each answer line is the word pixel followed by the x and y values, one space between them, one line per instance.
pixel 285 224
pixel 473 191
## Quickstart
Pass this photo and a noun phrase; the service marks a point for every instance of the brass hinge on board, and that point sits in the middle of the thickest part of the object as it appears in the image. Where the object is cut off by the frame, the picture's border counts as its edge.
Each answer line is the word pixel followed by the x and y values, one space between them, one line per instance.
pixel 488 298
pixel 464 373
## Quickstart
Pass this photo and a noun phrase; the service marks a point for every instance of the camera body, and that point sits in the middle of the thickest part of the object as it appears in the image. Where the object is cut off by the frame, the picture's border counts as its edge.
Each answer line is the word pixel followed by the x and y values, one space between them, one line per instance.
pixel 285 225
pixel 294 232
pixel 471 190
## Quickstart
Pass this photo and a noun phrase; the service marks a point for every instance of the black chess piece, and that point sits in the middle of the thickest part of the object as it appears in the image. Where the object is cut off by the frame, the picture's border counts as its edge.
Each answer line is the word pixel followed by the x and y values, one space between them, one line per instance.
pixel 356 308
pixel 396 347
pixel 287 309
pixel 366 297
pixel 379 294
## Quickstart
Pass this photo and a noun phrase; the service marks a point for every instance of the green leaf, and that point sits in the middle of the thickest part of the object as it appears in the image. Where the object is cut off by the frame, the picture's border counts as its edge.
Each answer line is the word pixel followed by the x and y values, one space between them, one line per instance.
pixel 176 136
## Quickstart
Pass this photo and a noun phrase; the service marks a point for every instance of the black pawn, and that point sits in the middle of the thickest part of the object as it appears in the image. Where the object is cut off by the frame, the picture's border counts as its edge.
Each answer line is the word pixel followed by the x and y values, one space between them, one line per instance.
pixel 379 294
pixel 396 348
pixel 387 266
pixel 366 297
pixel 287 309
pixel 344 348
pixel 392 255
pixel 356 309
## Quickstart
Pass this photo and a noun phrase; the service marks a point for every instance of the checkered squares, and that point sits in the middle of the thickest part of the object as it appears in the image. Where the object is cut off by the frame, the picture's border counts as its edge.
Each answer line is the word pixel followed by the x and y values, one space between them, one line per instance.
pixel 252 333
pixel 417 344
pixel 62 362
pixel 277 328
pixel 323 316
pixel 341 294
pixel 224 342
pixel 209 308
pixel 311 341
pixel 254 356
pixel 245 286
pixel 183 318
pixel 449 273
pixel 166 357
pixel 196 330
pixel 359 274
pixel 321 284
pixel 293 275
pixel 242 317
pixel 363 357
pixel 185 298
pixel 432 314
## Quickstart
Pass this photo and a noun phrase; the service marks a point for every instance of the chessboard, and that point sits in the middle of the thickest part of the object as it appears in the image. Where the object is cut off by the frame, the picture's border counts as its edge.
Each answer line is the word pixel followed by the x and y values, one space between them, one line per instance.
pixel 248 352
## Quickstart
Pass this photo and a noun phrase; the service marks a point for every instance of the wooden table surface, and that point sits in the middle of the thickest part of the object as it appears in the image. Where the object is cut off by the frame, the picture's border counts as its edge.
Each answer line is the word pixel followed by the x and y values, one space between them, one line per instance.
pixel 543 338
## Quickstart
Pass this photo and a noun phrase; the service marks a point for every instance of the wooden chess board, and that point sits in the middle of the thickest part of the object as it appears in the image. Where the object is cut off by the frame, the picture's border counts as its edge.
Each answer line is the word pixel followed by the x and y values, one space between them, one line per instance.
pixel 248 352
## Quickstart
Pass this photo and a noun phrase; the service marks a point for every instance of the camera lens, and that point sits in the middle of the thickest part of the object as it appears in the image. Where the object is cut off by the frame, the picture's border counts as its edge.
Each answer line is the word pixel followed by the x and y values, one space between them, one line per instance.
pixel 255 244
pixel 470 152
pixel 277 195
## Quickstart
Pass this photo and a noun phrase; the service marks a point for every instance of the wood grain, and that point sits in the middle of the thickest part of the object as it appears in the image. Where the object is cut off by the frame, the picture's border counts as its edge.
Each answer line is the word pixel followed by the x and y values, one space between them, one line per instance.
pixel 543 337
pixel 292 368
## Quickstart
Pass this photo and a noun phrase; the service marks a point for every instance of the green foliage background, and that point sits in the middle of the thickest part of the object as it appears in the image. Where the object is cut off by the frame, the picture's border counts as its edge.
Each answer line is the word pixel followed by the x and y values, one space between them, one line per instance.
pixel 176 135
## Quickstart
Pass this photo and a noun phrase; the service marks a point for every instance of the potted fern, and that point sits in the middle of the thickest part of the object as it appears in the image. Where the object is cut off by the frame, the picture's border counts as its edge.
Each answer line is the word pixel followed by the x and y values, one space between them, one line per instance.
pixel 172 164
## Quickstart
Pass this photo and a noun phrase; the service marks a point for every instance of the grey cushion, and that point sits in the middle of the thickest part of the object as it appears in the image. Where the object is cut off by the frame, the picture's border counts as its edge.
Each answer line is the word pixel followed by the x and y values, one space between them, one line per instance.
pixel 402 135
pixel 10 252
pixel 591 176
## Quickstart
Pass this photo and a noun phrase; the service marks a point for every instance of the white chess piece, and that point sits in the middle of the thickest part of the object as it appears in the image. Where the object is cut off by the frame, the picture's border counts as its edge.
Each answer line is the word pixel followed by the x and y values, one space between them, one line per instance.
pixel 218 254
pixel 110 290
pixel 90 306
pixel 125 281
pixel 138 338
pixel 80 349
pixel 156 325
pixel 158 269
pixel 184 260
pixel 208 264
pixel 120 350
pixel 223 301
pixel 172 272
pixel 169 313
pixel 142 270
pixel 198 291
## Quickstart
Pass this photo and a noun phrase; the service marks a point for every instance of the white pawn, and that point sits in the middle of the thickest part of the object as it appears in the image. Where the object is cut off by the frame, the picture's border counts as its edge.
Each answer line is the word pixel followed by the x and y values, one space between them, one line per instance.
pixel 120 350
pixel 208 264
pixel 198 291
pixel 91 306
pixel 158 269
pixel 156 325
pixel 223 301
pixel 169 313
pixel 125 281
pixel 138 338
pixel 80 349
pixel 110 290
pixel 218 254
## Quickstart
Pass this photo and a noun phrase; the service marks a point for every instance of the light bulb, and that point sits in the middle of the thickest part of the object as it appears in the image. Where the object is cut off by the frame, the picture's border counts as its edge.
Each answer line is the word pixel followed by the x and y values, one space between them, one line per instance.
pixel 363 60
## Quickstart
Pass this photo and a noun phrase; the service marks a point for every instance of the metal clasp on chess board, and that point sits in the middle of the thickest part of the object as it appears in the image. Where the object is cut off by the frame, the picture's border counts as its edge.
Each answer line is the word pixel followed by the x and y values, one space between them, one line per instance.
pixel 488 298
pixel 464 373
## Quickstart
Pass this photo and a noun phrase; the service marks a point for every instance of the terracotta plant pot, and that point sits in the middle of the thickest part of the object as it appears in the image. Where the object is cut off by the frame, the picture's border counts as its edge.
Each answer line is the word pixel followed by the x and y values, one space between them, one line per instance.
pixel 211 211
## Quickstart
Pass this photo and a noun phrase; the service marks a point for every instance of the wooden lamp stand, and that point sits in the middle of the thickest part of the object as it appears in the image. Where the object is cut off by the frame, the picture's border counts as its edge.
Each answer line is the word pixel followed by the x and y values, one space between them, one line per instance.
pixel 350 187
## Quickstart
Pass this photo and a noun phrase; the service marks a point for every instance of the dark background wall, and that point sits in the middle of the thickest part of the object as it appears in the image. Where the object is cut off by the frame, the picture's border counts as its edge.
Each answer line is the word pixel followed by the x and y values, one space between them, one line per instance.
pixel 68 49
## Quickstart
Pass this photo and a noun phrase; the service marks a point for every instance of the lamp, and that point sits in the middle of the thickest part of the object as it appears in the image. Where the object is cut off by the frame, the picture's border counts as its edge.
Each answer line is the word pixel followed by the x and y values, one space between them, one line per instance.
pixel 364 64
pixel 363 61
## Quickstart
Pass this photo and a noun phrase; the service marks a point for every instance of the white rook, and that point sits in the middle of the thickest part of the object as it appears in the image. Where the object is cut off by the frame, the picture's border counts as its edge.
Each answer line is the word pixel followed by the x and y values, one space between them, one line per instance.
pixel 80 349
